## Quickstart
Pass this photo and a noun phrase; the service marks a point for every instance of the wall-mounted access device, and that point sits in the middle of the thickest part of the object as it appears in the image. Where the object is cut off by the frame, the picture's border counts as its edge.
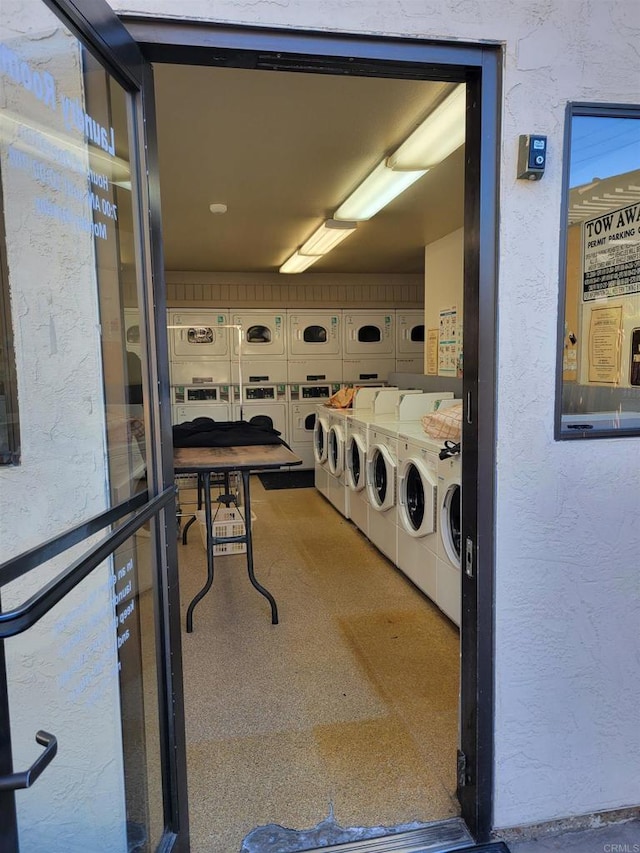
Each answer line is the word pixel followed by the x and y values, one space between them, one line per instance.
pixel 532 156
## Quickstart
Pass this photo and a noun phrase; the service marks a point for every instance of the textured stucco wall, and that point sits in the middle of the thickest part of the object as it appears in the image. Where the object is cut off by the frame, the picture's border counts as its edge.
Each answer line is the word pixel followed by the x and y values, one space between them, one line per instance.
pixel 568 606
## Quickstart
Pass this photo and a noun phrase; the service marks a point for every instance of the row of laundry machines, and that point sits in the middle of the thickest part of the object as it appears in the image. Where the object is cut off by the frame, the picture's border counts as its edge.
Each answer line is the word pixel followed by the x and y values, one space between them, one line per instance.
pixel 402 489
pixel 227 346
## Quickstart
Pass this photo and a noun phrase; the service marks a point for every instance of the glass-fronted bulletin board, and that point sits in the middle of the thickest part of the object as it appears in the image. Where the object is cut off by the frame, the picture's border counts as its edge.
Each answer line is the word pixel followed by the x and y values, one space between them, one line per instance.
pixel 599 349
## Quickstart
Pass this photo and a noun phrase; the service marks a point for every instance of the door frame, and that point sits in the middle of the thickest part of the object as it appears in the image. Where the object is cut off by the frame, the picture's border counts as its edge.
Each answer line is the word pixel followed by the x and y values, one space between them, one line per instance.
pixel 96 24
pixel 172 41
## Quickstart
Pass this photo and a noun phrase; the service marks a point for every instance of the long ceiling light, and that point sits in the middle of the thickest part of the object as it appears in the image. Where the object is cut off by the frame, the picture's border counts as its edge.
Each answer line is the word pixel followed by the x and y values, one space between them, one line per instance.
pixel 439 135
pixel 375 192
pixel 431 142
pixel 298 262
pixel 323 240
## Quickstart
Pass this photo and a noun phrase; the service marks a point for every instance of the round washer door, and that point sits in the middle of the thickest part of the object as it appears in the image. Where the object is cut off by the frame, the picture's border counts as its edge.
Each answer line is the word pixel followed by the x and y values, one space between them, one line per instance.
pixel 355 463
pixel 451 522
pixel 320 432
pixel 381 478
pixel 417 499
pixel 335 450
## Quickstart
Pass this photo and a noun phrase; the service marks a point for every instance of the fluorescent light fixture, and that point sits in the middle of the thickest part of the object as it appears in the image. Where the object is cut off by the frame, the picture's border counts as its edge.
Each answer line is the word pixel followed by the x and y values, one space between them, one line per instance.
pixel 376 191
pixel 438 136
pixel 298 262
pixel 326 237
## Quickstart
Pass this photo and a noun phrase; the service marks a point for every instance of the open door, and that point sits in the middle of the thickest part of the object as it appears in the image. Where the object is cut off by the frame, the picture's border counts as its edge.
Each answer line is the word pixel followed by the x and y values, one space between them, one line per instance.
pixel 90 661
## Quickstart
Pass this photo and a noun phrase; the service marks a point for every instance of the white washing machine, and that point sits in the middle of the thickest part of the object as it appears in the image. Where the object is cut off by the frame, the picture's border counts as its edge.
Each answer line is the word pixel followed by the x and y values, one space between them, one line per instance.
pixel 368 345
pixel 314 346
pixel 262 352
pixel 320 448
pixel 199 347
pixel 418 509
pixel 198 401
pixel 270 400
pixel 355 470
pixel 409 341
pixel 337 489
pixel 381 477
pixel 303 404
pixel 449 591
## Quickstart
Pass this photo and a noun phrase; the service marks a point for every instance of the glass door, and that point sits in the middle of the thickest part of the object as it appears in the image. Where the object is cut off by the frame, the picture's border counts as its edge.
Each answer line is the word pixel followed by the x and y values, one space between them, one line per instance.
pixel 91 725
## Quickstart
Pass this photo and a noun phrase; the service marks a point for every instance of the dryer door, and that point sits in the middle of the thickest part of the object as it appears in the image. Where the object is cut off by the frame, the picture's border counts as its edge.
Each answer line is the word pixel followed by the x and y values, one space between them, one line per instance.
pixel 417 498
pixel 320 443
pixel 315 334
pixel 263 335
pixel 198 335
pixel 355 462
pixel 335 451
pixel 381 478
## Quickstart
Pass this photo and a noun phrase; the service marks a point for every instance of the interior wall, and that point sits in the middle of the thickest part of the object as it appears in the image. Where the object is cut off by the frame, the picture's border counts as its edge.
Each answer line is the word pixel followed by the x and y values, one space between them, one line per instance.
pixel 444 283
pixel 318 290
pixel 567 606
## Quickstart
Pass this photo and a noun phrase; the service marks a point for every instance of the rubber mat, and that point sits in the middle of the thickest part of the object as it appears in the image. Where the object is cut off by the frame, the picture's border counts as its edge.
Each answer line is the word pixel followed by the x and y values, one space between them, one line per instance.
pixel 287 479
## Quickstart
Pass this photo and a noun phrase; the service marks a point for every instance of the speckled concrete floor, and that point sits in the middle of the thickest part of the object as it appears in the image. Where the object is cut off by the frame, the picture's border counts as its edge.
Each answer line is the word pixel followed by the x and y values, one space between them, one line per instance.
pixel 349 703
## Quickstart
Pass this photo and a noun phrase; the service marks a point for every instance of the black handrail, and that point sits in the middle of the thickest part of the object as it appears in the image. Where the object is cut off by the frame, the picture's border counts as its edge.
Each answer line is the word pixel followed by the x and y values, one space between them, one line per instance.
pixel 27 614
pixel 23 563
pixel 26 778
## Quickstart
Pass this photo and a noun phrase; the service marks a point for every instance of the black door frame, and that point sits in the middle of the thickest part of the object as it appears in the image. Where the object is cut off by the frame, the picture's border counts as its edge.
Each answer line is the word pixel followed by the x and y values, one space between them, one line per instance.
pixel 479 66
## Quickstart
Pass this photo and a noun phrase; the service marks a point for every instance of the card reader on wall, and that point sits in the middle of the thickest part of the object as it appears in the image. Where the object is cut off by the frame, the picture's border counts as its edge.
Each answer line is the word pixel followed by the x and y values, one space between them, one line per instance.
pixel 532 157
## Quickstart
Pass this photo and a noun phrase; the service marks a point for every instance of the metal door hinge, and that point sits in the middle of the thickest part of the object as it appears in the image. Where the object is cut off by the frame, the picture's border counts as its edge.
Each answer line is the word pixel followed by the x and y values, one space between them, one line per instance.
pixel 468 557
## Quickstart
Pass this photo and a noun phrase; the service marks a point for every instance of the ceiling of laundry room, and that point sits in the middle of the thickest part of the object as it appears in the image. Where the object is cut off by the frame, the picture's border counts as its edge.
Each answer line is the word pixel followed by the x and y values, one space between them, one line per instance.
pixel 282 151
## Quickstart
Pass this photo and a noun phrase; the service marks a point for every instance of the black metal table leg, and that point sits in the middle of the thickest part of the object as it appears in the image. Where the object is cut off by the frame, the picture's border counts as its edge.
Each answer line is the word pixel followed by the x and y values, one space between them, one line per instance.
pixel 208 521
pixel 247 523
pixel 185 529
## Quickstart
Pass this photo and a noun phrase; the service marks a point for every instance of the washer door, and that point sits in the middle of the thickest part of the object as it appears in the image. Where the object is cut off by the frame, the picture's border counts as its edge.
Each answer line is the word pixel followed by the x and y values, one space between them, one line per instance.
pixel 355 462
pixel 335 450
pixel 320 432
pixel 417 498
pixel 381 478
pixel 451 522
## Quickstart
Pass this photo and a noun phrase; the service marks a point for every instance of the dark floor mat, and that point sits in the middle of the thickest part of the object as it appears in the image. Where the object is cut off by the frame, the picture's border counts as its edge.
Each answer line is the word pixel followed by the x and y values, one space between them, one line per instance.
pixel 287 479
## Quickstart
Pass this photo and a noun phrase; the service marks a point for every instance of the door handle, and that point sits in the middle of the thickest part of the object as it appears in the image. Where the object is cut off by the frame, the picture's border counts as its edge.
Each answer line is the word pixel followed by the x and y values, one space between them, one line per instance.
pixel 15 781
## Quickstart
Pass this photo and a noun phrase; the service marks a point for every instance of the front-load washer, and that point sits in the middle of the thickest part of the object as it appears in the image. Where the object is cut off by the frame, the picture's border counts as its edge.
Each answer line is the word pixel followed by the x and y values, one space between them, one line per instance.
pixel 270 400
pixel 409 341
pixel 355 462
pixel 314 346
pixel 261 354
pixel 369 346
pixel 199 347
pixel 382 464
pixel 320 447
pixel 198 401
pixel 418 510
pixel 337 489
pixel 303 404
pixel 449 592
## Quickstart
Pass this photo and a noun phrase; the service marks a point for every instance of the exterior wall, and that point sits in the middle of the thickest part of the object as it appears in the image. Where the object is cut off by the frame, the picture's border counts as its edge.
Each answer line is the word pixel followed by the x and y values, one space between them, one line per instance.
pixel 567 600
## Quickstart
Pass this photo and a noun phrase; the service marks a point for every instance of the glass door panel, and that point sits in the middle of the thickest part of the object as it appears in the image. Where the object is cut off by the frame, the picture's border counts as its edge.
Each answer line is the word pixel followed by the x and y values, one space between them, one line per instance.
pixel 87 674
pixel 76 413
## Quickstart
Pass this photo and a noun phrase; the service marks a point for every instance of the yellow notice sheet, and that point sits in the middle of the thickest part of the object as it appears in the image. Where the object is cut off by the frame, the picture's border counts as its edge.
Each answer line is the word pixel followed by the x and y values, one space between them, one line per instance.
pixel 605 335
pixel 432 352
